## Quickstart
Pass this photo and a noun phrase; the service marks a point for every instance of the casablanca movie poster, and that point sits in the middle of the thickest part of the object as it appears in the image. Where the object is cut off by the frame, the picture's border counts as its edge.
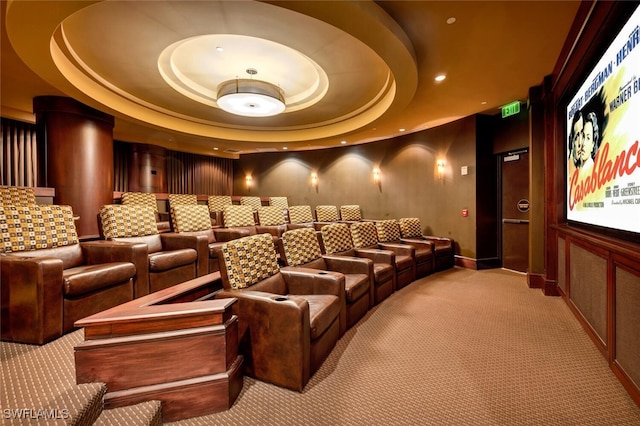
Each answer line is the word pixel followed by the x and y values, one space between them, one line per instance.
pixel 603 129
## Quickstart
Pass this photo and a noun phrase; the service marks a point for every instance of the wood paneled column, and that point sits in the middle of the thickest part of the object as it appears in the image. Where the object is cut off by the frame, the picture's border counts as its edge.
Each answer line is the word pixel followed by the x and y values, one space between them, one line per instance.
pixel 79 146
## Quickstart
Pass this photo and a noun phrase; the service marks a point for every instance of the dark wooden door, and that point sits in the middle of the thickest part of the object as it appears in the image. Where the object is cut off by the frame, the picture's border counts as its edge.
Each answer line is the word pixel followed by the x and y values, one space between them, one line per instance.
pixel 515 210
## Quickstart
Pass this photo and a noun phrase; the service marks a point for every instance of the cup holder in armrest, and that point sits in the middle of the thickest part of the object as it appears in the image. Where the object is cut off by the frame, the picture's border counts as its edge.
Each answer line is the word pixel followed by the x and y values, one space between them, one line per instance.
pixel 322 273
pixel 281 298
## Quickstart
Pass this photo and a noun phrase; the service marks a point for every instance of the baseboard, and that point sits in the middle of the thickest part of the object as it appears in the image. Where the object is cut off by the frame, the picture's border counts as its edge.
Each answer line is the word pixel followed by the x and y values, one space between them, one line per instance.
pixel 465 262
pixel 535 280
pixel 550 288
pixel 471 263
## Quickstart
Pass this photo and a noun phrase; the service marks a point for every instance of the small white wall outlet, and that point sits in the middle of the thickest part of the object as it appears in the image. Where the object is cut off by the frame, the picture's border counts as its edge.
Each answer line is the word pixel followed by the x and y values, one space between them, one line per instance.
pixel 464 170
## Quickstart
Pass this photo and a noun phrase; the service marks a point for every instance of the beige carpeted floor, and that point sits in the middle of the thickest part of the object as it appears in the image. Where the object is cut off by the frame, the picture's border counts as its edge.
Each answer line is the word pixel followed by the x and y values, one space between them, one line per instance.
pixel 459 347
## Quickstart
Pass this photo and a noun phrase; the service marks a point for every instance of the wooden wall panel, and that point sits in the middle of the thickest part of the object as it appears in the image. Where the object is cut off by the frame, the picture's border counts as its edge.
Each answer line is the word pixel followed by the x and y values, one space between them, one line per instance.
pixel 588 287
pixel 562 269
pixel 627 320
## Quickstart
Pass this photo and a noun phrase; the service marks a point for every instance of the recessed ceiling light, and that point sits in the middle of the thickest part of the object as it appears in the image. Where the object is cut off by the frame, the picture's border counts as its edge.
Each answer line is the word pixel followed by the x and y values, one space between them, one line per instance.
pixel 451 20
pixel 219 49
pixel 215 148
pixel 401 129
pixel 440 77
pixel 483 102
pixel 285 148
pixel 343 142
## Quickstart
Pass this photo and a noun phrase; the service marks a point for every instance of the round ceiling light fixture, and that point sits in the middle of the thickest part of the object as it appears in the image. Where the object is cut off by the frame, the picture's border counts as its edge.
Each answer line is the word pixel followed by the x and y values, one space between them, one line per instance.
pixel 249 97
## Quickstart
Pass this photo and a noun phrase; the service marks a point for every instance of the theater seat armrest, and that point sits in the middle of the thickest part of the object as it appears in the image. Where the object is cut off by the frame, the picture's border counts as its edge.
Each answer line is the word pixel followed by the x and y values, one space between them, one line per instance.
pixel 418 242
pixel 228 234
pixel 398 249
pixel 96 252
pixel 349 265
pixel 175 241
pixel 274 331
pixel 377 255
pixel 31 298
pixel 313 281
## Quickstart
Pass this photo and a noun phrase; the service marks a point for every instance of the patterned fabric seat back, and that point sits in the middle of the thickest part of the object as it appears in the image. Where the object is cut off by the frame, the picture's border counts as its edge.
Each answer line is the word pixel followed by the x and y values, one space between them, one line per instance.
pixel 249 260
pixel 410 227
pixel 336 238
pixel 281 202
pixel 301 246
pixel 364 234
pixel 327 214
pixel 270 216
pixel 350 212
pixel 189 218
pixel 124 221
pixel 238 216
pixel 254 202
pixel 300 214
pixel 217 202
pixel 36 227
pixel 388 230
pixel 17 196
pixel 142 198
pixel 181 199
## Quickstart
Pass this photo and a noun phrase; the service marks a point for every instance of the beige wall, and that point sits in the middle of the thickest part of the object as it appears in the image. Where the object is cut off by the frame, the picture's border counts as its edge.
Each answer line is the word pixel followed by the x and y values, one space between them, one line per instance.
pixel 410 185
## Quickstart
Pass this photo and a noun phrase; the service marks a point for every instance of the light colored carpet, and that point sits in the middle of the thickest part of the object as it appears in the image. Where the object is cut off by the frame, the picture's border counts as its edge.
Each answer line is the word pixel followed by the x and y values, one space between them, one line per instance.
pixel 459 347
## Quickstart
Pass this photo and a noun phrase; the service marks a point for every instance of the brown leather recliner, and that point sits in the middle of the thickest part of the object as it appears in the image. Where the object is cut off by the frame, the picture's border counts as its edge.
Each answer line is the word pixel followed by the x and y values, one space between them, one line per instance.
pixel 364 235
pixel 443 248
pixel 389 233
pixel 300 217
pixel 302 249
pixel 171 258
pixel 50 280
pixel 288 319
pixel 194 221
pixel 337 241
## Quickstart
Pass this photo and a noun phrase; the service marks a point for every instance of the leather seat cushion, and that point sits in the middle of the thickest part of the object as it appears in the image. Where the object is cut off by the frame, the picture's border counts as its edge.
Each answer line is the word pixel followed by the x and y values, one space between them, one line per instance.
pixel 382 272
pixel 164 260
pixel 356 285
pixel 323 310
pixel 442 248
pixel 423 254
pixel 88 278
pixel 403 262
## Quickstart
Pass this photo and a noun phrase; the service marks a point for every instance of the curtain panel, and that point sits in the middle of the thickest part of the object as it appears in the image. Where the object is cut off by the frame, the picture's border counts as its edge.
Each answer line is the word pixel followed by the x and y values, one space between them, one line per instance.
pixel 18 153
pixel 199 174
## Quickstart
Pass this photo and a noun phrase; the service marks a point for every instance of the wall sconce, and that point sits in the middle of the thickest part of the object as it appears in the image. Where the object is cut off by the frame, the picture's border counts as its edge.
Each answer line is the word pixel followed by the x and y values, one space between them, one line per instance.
pixel 314 180
pixel 248 180
pixel 441 164
pixel 376 175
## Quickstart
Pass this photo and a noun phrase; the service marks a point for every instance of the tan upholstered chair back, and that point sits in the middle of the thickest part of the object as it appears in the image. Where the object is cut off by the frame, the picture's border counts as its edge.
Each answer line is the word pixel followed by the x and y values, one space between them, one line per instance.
pixel 388 230
pixel 189 218
pixel 410 227
pixel 364 234
pixel 336 238
pixel 301 246
pixel 143 198
pixel 281 202
pixel 238 216
pixel 300 214
pixel 254 202
pixel 249 260
pixel 217 202
pixel 350 212
pixel 121 221
pixel 35 227
pixel 270 215
pixel 189 199
pixel 17 196
pixel 327 214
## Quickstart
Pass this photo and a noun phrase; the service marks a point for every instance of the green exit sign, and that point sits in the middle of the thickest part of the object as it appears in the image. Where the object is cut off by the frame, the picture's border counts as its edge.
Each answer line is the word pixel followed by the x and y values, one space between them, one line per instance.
pixel 511 109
